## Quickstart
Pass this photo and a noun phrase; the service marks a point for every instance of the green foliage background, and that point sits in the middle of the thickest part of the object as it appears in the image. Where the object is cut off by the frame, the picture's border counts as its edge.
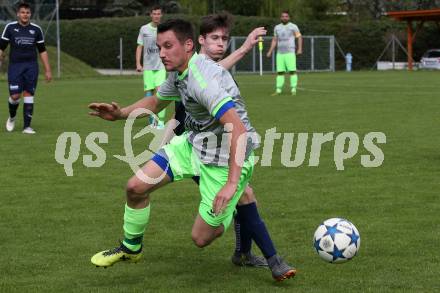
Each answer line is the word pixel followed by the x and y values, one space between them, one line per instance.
pixel 96 41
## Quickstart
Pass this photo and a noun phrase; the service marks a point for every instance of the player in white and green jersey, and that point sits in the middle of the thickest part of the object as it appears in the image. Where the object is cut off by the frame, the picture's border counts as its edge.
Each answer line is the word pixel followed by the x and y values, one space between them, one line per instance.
pixel 248 225
pixel 218 146
pixel 285 34
pixel 153 70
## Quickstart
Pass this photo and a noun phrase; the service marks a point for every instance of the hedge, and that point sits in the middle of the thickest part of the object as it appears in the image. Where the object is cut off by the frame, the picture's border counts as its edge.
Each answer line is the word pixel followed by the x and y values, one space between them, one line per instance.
pixel 96 41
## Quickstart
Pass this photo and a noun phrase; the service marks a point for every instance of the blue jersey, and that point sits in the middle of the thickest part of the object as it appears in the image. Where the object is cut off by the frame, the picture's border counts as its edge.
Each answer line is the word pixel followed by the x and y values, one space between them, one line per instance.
pixel 24 41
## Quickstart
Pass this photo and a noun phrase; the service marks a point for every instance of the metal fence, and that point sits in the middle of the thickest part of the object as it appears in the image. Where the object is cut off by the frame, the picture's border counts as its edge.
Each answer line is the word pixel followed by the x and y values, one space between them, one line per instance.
pixel 318 55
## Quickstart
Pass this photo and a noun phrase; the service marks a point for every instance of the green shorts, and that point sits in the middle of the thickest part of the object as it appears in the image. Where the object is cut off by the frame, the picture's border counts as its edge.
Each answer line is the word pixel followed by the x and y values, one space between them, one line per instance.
pixel 153 79
pixel 184 163
pixel 286 62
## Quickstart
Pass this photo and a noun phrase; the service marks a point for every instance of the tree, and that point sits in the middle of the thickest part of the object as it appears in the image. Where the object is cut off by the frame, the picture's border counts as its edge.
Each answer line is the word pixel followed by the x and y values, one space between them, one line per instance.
pixel 245 7
pixel 318 9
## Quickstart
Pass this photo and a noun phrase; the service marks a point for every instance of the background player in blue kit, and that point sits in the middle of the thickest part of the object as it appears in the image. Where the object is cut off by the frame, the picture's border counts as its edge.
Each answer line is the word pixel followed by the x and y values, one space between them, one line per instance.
pixel 25 39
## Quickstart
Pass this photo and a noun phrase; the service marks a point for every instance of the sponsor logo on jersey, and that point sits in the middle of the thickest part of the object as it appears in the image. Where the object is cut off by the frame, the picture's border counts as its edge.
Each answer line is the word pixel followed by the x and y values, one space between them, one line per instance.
pixel 32 32
pixel 153 50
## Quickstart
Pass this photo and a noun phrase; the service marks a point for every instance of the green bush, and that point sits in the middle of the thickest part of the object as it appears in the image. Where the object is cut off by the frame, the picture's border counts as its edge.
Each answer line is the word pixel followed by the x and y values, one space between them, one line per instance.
pixel 96 41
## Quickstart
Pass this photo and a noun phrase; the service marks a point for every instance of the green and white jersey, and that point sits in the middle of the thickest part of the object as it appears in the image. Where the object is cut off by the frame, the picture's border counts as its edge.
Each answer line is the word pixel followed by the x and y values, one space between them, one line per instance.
pixel 147 38
pixel 207 91
pixel 286 34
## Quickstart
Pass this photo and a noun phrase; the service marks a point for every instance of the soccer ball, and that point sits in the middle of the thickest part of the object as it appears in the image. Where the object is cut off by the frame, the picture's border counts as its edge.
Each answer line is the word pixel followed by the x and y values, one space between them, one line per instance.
pixel 336 240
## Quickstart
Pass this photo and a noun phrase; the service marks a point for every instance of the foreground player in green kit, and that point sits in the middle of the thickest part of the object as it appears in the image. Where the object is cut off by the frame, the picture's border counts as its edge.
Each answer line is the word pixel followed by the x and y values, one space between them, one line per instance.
pixel 248 225
pixel 215 111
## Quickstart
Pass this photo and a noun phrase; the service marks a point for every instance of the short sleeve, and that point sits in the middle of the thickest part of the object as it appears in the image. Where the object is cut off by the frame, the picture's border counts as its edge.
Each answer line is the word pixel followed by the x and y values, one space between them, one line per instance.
pixel 295 30
pixel 40 36
pixel 275 31
pixel 208 90
pixel 140 39
pixel 168 90
pixel 6 35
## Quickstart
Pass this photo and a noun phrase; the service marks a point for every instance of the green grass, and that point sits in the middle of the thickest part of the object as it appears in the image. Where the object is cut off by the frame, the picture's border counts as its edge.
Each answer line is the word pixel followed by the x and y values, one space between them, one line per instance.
pixel 52 224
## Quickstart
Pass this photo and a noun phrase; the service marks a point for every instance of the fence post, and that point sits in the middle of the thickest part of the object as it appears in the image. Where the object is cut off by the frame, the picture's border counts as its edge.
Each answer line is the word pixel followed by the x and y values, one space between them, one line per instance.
pixel 332 53
pixel 312 53
pixel 120 56
pixel 394 52
pixel 58 39
pixel 273 61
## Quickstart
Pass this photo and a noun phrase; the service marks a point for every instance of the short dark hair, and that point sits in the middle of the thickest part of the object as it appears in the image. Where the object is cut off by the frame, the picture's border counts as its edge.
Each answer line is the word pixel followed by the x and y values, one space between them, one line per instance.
pixel 155 7
pixel 285 11
pixel 23 5
pixel 212 22
pixel 182 29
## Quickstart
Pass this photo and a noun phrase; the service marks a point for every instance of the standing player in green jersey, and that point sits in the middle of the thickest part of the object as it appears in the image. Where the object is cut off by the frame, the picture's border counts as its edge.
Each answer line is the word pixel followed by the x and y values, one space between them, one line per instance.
pixel 218 146
pixel 248 225
pixel 154 73
pixel 284 37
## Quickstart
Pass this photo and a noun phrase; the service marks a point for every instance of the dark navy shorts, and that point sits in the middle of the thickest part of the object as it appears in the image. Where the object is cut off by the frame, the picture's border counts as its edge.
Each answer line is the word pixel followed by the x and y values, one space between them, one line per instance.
pixel 22 77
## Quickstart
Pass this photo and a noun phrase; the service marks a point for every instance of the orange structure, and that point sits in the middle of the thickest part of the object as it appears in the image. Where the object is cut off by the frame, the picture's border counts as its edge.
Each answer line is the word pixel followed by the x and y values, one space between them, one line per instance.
pixel 419 17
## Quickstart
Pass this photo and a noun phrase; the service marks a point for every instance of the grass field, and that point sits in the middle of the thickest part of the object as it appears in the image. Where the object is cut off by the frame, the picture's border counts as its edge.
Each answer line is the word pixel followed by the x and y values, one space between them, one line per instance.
pixel 51 224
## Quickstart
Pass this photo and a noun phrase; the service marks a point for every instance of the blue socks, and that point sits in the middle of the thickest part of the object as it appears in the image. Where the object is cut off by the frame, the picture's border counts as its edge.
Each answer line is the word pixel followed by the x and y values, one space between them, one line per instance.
pixel 243 238
pixel 28 110
pixel 253 227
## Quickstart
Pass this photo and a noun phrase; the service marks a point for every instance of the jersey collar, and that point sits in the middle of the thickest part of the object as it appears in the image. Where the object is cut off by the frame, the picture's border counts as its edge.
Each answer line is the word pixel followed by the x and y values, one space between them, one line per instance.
pixel 151 26
pixel 185 72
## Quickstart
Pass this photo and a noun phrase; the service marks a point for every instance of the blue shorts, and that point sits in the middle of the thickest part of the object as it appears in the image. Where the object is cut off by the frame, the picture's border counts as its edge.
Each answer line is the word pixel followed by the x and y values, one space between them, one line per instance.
pixel 22 77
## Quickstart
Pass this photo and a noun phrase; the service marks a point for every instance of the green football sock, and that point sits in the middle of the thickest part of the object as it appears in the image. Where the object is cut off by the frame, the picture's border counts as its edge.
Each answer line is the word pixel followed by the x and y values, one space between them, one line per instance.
pixel 135 222
pixel 162 114
pixel 280 83
pixel 293 81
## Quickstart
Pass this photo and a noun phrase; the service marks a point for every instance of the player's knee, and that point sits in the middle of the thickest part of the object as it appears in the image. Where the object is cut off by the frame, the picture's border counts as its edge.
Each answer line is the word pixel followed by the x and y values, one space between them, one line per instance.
pixel 281 73
pixel 199 241
pixel 136 189
pixel 292 72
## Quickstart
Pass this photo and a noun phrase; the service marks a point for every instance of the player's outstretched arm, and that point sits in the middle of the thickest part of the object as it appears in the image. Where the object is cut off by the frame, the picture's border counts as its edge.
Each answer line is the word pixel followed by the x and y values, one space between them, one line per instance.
pixel 236 159
pixel 251 41
pixel 113 111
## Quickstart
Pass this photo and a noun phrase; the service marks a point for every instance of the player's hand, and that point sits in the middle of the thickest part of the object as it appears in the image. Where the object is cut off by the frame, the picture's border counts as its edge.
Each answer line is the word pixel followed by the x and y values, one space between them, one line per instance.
pixel 299 52
pixel 48 76
pixel 223 197
pixel 110 112
pixel 139 68
pixel 268 54
pixel 253 37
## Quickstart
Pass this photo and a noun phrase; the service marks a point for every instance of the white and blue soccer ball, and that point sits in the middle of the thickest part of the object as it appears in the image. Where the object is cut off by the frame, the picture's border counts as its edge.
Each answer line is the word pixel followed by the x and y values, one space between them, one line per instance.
pixel 337 240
